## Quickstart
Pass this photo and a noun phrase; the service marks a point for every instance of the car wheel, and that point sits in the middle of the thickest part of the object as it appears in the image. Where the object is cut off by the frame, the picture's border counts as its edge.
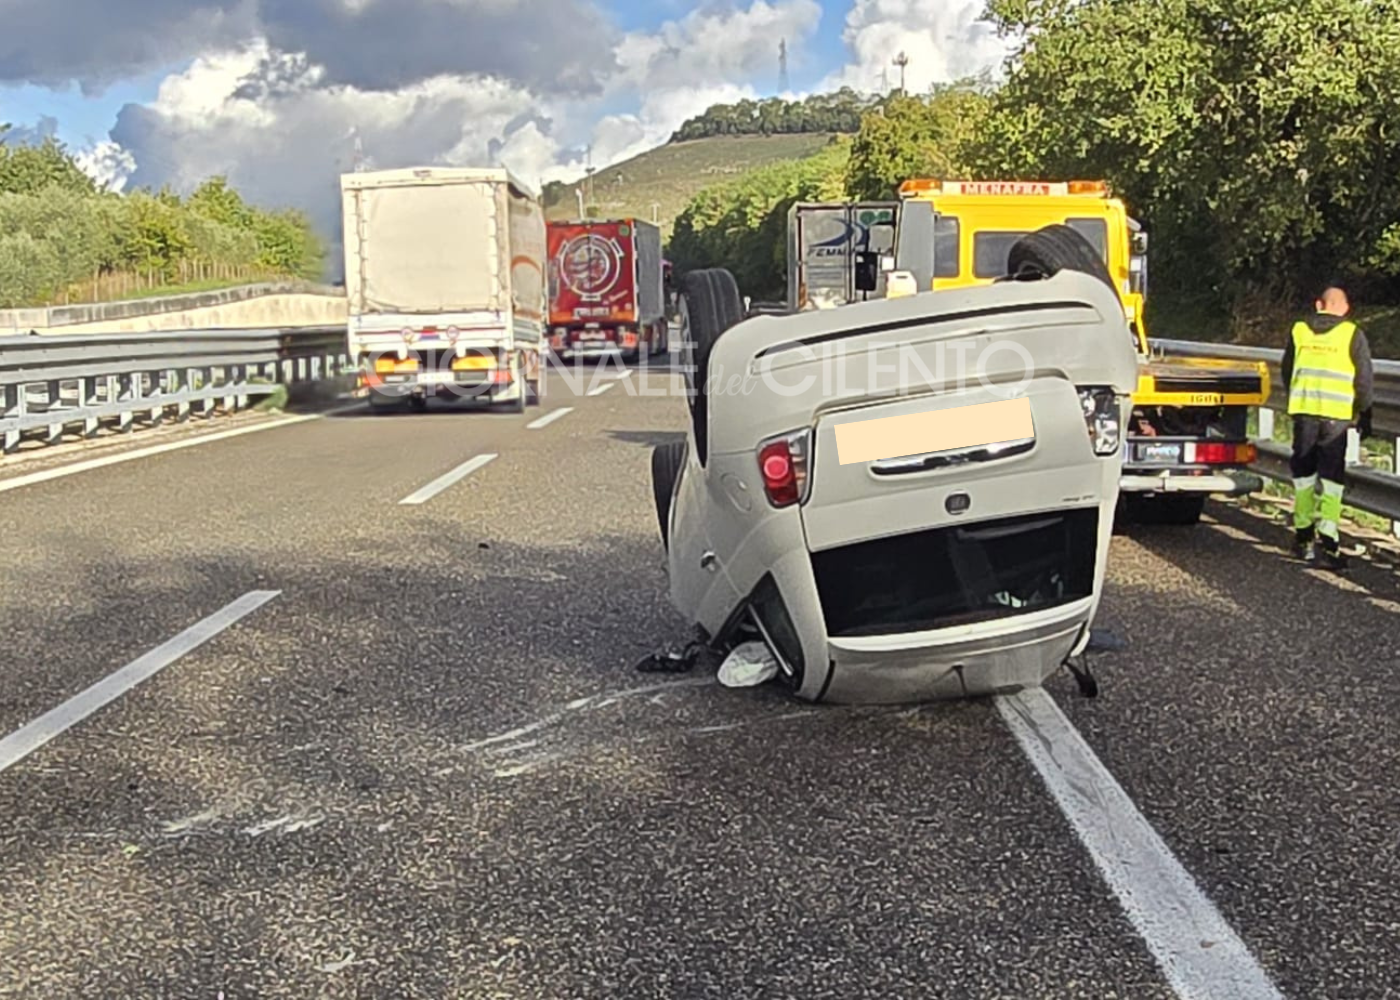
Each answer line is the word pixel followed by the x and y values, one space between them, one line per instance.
pixel 1052 249
pixel 712 304
pixel 666 462
pixel 1181 509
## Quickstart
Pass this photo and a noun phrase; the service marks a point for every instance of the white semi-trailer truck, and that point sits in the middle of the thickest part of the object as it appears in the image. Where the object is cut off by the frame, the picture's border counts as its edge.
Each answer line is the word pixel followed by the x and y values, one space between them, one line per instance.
pixel 827 242
pixel 445 277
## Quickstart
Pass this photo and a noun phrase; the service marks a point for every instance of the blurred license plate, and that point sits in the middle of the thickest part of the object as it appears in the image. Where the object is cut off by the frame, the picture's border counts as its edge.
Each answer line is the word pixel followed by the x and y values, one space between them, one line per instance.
pixel 1165 453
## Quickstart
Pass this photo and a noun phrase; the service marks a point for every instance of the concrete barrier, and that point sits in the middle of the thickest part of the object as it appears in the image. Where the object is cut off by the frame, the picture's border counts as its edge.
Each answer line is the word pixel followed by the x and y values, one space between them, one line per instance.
pixel 245 307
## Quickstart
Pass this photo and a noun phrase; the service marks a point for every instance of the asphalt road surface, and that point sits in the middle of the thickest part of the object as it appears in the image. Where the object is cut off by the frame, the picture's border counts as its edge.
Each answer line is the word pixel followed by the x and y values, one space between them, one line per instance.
pixel 306 739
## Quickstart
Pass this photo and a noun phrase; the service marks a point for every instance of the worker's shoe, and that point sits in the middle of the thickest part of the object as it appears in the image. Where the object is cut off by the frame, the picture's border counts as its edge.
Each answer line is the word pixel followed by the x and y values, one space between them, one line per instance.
pixel 1331 557
pixel 1303 546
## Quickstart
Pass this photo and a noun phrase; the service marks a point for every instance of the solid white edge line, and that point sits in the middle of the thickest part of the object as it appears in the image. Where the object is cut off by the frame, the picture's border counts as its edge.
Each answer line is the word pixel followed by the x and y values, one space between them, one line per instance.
pixel 1196 950
pixel 88 465
pixel 442 482
pixel 549 418
pixel 28 738
pixel 601 389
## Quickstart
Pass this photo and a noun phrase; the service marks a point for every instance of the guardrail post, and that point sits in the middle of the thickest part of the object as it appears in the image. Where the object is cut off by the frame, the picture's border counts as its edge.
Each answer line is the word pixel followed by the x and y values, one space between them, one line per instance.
pixel 55 403
pixel 1395 467
pixel 88 396
pixel 13 400
pixel 182 408
pixel 1266 424
pixel 157 411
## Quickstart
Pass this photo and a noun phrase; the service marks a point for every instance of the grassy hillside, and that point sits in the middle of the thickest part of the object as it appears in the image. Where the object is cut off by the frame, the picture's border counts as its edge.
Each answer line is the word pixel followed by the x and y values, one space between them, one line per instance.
pixel 670 175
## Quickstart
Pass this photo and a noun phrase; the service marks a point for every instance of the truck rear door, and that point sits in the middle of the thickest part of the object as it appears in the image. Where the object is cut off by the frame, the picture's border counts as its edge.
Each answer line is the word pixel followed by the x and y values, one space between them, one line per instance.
pixel 431 248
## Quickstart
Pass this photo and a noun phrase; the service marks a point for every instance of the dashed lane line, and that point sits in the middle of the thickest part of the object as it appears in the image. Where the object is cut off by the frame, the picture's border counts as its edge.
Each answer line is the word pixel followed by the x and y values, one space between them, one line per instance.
pixel 1197 951
pixel 25 740
pixel 441 483
pixel 549 418
pixel 601 389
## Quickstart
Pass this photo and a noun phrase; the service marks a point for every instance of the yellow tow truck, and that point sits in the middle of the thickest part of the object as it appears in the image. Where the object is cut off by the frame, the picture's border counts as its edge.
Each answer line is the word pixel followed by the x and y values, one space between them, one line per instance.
pixel 1188 438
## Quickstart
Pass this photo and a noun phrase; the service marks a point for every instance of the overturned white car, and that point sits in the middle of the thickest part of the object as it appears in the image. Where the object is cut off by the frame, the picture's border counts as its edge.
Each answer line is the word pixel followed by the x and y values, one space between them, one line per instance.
pixel 905 499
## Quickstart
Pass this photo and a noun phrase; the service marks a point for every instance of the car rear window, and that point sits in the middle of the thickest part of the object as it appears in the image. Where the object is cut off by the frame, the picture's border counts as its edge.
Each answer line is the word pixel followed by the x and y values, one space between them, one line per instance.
pixel 957 574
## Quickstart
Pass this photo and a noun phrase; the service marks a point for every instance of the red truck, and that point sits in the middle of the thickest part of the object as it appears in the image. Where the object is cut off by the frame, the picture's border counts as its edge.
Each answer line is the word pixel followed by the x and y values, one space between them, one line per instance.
pixel 606 289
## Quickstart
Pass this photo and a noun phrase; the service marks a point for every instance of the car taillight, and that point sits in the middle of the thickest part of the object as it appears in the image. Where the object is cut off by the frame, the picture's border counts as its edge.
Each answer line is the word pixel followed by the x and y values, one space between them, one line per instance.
pixel 782 461
pixel 1220 453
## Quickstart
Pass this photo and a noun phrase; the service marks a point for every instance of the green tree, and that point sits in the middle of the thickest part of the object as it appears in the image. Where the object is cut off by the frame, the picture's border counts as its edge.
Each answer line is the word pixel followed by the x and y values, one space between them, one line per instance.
pixel 26 169
pixel 215 200
pixel 916 137
pixel 1257 139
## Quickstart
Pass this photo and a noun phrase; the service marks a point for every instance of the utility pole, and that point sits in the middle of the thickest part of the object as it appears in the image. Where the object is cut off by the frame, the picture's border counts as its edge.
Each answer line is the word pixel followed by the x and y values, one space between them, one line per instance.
pixel 782 67
pixel 901 61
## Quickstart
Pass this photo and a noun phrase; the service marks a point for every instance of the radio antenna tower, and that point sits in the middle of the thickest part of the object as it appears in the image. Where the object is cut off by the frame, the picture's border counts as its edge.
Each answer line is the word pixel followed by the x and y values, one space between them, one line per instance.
pixel 358 158
pixel 782 66
pixel 901 61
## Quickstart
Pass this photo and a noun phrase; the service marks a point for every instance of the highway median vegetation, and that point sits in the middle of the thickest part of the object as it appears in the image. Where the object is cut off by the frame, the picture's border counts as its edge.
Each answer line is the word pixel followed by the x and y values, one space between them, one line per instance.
pixel 1259 144
pixel 64 239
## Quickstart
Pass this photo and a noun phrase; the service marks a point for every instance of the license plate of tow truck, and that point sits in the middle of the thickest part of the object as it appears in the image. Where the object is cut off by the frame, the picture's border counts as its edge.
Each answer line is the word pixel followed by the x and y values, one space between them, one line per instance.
pixel 1160 454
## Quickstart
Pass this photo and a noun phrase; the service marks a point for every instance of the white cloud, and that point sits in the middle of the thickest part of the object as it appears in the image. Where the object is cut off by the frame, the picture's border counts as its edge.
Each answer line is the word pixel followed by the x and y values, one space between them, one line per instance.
pixel 282 127
pixel 943 40
pixel 287 148
pixel 107 164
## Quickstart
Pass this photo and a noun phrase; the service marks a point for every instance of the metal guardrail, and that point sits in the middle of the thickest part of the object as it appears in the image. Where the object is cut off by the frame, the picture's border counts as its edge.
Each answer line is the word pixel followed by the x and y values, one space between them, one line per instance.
pixel 1368 488
pixel 49 384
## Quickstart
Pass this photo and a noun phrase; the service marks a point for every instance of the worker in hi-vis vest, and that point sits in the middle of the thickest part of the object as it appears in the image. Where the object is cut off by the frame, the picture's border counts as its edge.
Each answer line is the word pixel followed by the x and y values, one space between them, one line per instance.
pixel 1326 368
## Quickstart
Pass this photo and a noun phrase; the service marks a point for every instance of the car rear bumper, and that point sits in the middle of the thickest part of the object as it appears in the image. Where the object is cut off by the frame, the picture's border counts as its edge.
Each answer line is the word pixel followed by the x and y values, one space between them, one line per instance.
pixel 1232 483
pixel 985 659
pixel 1006 653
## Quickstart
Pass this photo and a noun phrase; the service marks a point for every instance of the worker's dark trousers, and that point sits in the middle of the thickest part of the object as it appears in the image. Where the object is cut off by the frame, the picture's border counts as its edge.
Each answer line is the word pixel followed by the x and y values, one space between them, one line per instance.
pixel 1318 464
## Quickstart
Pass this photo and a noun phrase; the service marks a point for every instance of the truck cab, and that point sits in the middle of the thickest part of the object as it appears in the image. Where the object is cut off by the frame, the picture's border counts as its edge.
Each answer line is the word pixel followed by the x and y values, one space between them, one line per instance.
pixel 1188 432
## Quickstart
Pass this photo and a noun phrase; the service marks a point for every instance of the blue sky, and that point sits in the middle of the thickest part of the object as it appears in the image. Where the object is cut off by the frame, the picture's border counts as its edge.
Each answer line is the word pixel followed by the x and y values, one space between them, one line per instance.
pixel 291 93
pixel 83 120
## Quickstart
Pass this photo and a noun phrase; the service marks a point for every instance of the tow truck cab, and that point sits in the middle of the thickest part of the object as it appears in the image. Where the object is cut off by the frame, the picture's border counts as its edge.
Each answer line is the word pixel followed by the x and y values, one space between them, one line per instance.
pixel 1188 437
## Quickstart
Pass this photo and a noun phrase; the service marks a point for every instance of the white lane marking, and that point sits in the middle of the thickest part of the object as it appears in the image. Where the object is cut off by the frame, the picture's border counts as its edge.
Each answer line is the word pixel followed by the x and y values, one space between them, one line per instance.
pixel 159 449
pixel 25 740
pixel 1198 952
pixel 601 389
pixel 442 482
pixel 624 374
pixel 549 418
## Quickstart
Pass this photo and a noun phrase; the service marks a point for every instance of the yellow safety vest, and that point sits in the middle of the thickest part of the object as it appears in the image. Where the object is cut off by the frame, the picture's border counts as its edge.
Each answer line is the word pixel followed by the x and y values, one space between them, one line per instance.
pixel 1323 374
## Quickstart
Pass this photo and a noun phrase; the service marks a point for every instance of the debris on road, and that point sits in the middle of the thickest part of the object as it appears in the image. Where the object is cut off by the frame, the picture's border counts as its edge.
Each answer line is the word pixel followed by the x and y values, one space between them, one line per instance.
pixel 748 665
